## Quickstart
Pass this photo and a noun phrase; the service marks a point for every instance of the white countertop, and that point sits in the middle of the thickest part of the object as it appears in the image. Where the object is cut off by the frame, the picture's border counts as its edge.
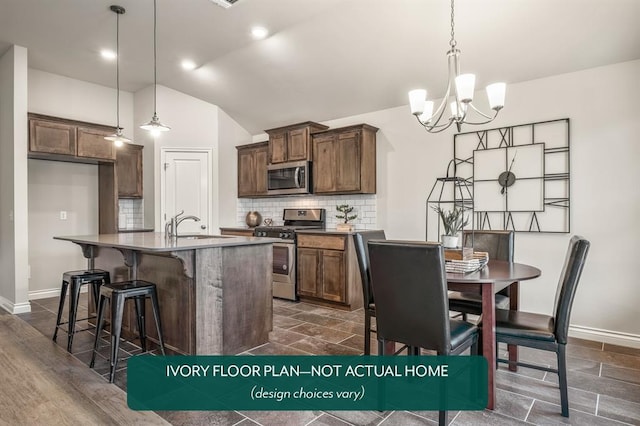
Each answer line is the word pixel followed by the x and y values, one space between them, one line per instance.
pixel 156 241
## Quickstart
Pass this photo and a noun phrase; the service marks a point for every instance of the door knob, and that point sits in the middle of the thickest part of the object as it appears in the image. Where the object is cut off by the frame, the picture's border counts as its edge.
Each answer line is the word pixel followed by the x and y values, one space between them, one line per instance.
pixel 203 226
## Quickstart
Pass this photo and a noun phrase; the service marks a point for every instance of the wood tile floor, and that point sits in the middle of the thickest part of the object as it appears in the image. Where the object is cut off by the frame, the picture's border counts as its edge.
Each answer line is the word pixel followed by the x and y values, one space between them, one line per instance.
pixel 604 380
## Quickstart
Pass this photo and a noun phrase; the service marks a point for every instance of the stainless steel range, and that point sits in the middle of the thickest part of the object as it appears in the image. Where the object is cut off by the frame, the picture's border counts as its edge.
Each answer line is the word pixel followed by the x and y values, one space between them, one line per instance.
pixel 284 251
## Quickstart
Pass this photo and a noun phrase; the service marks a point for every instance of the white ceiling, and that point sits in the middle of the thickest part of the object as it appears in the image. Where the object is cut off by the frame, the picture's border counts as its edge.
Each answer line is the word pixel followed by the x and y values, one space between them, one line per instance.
pixel 324 59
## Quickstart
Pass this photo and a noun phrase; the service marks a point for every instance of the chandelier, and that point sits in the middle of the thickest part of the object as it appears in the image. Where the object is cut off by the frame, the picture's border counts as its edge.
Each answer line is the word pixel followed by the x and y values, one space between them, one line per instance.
pixel 459 96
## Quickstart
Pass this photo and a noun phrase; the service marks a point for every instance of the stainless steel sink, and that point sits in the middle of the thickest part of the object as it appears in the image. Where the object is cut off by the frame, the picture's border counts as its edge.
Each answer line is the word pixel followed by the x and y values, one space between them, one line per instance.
pixel 200 237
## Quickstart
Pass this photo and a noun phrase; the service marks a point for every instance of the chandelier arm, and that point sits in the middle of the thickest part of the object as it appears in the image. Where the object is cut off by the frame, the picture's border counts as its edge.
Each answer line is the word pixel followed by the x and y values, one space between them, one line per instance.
pixel 482 113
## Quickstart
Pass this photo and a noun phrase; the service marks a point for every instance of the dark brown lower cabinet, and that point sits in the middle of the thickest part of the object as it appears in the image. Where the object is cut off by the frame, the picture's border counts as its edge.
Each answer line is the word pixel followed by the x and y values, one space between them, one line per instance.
pixel 327 272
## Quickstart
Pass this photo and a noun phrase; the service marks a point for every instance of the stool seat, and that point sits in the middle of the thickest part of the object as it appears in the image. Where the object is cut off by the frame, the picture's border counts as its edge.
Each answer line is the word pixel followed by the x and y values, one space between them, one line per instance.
pixel 117 294
pixel 76 279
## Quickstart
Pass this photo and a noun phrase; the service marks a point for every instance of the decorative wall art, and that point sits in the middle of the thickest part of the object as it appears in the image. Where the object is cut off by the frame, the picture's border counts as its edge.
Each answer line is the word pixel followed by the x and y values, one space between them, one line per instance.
pixel 520 176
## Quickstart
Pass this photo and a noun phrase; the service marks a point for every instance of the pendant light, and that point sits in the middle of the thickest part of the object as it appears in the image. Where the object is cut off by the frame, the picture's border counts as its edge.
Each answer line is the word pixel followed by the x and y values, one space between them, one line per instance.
pixel 118 138
pixel 155 126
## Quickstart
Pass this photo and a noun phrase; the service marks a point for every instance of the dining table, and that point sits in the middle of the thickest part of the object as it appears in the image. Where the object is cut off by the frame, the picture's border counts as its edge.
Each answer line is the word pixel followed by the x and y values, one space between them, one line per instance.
pixel 490 279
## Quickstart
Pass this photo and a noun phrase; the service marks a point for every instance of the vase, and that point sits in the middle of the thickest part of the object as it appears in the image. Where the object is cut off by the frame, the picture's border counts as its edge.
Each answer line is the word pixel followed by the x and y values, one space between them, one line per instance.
pixel 449 241
pixel 253 219
pixel 345 227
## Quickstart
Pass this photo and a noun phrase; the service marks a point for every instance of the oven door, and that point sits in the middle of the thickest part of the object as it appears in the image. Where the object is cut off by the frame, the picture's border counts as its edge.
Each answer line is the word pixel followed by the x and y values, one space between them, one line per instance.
pixel 284 274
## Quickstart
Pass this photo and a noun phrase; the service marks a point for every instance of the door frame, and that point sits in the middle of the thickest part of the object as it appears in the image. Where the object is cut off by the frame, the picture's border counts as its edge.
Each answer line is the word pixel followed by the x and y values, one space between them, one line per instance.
pixel 210 193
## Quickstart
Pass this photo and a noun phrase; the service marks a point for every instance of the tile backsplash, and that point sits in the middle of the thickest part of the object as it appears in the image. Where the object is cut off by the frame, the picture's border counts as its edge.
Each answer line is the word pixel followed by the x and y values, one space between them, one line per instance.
pixel 130 213
pixel 365 206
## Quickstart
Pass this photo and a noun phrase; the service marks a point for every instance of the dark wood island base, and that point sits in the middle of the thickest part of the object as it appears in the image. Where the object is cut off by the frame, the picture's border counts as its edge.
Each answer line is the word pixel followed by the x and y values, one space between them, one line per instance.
pixel 214 294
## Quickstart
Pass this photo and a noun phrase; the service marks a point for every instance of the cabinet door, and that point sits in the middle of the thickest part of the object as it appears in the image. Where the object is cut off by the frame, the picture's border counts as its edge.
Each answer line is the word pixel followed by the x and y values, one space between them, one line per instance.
pixel 261 159
pixel 333 276
pixel 308 272
pixel 348 162
pixel 53 138
pixel 278 147
pixel 246 173
pixel 129 171
pixel 92 144
pixel 298 144
pixel 324 164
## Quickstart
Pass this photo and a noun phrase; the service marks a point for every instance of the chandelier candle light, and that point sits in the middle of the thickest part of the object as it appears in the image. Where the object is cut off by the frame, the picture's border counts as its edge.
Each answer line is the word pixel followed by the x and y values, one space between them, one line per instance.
pixel 155 126
pixel 461 88
pixel 118 138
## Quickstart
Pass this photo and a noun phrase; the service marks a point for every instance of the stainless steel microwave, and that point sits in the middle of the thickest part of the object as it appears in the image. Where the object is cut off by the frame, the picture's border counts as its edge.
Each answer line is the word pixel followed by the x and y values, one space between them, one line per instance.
pixel 289 178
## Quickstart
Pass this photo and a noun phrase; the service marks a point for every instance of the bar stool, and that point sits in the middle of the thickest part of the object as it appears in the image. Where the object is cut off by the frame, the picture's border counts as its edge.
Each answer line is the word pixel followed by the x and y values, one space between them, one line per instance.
pixel 76 279
pixel 118 293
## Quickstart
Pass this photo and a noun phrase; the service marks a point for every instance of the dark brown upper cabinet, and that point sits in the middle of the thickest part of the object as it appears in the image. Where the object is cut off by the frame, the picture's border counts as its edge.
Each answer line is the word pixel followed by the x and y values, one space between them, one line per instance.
pixel 252 170
pixel 344 160
pixel 52 138
pixel 129 171
pixel 292 143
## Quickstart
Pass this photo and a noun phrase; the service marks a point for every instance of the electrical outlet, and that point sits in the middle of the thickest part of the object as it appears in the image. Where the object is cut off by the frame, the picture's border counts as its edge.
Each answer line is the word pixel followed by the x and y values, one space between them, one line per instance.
pixel 63 215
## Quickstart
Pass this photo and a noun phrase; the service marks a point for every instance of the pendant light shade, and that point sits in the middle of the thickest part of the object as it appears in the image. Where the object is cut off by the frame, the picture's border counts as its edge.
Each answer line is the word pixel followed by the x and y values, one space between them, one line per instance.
pixel 118 138
pixel 155 125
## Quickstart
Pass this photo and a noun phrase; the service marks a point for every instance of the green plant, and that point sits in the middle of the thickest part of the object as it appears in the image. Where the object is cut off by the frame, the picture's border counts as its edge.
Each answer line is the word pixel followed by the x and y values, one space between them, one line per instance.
pixel 345 209
pixel 453 220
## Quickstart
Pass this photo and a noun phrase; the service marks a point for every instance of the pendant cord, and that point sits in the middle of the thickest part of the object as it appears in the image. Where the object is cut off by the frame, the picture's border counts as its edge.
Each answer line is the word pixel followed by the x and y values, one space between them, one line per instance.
pixel 155 64
pixel 118 72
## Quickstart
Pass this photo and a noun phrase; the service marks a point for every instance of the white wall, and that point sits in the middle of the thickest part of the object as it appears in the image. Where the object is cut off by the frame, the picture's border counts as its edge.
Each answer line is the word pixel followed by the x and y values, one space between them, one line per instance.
pixel 194 124
pixel 56 186
pixel 13 176
pixel 601 103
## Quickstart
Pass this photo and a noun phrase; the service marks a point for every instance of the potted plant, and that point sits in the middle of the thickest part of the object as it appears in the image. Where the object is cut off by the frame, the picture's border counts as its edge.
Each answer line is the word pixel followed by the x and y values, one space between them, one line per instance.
pixel 345 210
pixel 453 222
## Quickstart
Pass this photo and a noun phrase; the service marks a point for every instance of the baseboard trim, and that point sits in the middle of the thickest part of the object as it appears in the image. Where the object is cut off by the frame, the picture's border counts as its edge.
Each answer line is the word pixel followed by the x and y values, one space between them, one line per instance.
pixel 606 336
pixel 15 308
pixel 43 294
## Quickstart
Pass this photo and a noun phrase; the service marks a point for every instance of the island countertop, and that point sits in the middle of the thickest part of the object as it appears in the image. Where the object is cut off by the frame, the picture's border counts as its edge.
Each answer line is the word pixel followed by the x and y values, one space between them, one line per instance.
pixel 156 241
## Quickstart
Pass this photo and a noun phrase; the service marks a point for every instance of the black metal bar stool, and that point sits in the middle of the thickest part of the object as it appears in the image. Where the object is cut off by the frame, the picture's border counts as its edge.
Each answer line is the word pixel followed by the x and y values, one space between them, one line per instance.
pixel 118 293
pixel 76 279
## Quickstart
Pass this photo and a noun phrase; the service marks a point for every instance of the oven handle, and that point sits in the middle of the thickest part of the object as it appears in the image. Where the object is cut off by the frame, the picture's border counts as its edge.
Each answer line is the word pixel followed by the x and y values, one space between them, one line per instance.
pixel 296 177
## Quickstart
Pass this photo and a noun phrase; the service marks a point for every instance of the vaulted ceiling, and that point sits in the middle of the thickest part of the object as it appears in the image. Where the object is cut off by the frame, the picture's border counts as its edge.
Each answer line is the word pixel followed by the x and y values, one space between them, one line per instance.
pixel 323 59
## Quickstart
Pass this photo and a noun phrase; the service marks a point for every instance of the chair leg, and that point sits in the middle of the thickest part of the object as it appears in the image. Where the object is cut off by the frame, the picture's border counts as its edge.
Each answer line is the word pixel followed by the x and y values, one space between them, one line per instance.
pixel 442 418
pixel 117 308
pixel 63 294
pixel 156 317
pixel 99 325
pixel 139 302
pixel 73 311
pixel 367 333
pixel 562 376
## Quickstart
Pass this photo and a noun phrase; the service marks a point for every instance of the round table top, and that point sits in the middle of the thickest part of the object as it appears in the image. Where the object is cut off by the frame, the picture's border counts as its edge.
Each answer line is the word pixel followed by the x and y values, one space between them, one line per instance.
pixel 497 271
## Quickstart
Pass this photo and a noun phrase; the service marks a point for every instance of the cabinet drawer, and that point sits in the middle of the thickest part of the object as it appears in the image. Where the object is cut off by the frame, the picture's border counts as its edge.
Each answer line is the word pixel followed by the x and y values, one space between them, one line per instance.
pixel 329 242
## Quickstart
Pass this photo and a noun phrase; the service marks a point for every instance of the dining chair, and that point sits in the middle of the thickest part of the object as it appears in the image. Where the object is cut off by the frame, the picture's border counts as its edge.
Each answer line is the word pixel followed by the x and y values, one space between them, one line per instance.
pixel 409 284
pixel 548 332
pixel 360 240
pixel 499 246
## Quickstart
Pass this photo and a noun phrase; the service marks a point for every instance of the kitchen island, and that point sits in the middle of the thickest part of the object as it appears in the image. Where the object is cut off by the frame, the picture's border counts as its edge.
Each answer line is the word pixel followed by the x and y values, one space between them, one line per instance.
pixel 214 291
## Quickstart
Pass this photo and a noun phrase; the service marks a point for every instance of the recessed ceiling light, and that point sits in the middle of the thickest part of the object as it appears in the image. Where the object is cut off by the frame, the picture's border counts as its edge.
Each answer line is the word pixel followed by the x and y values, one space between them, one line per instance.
pixel 188 64
pixel 108 54
pixel 259 33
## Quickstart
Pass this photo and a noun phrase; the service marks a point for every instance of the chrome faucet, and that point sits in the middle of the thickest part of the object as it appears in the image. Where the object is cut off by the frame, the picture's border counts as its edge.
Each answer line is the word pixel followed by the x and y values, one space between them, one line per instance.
pixel 171 227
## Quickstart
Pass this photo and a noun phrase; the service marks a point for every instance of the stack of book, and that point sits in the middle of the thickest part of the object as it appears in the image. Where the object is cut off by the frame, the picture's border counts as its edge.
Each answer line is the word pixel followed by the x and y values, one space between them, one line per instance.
pixel 475 261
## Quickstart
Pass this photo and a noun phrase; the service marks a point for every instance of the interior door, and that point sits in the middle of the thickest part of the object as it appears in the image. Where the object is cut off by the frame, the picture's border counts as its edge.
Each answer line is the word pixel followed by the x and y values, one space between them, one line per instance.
pixel 186 181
